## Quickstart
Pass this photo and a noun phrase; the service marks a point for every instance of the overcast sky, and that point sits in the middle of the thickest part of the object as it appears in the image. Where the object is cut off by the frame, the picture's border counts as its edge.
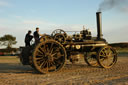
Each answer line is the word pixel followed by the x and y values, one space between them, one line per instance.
pixel 19 16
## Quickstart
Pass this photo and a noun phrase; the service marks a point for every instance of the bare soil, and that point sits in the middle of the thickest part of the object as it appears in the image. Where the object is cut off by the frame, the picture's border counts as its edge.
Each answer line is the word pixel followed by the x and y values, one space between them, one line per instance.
pixel 12 72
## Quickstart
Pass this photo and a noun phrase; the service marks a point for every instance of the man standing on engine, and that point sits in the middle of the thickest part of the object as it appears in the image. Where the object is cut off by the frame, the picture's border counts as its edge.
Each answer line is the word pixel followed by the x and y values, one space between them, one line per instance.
pixel 37 35
pixel 28 38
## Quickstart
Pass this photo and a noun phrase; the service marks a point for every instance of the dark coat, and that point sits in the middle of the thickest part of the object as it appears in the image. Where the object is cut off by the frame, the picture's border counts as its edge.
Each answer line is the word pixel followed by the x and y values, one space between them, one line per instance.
pixel 28 38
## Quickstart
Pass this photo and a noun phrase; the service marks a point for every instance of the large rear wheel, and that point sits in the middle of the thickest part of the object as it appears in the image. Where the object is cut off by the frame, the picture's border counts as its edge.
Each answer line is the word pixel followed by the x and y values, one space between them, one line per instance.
pixel 49 56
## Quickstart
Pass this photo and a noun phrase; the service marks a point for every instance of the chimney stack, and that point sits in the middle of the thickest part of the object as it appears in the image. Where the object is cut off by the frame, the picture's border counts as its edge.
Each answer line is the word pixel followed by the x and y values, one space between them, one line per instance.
pixel 99 25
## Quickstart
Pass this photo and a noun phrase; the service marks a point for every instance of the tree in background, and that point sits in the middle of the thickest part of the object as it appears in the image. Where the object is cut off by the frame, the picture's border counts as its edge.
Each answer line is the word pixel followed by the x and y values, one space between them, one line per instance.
pixel 8 41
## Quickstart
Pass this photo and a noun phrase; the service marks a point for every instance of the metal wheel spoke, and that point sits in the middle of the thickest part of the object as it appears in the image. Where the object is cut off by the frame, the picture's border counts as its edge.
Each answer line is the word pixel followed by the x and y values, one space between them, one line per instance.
pixel 102 55
pixel 109 50
pixel 57 49
pixel 60 55
pixel 42 60
pixel 53 54
pixel 42 64
pixel 43 50
pixel 51 48
pixel 41 55
pixel 39 51
pixel 56 58
pixel 102 59
pixel 47 66
pixel 47 49
pixel 39 58
pixel 108 62
pixel 112 55
pixel 51 51
pixel 52 63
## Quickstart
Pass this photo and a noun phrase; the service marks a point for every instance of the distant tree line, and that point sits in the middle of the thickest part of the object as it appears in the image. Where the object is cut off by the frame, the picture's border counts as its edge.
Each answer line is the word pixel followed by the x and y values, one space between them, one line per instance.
pixel 8 41
pixel 119 45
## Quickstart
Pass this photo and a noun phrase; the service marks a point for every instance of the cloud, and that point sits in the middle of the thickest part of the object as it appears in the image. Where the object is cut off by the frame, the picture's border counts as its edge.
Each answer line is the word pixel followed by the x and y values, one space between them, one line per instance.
pixel 3 4
pixel 124 9
pixel 18 17
pixel 37 22
pixel 32 22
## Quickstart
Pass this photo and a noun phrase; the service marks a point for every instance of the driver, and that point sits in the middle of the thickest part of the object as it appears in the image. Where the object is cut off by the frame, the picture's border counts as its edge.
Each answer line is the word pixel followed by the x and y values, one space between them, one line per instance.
pixel 28 38
pixel 37 35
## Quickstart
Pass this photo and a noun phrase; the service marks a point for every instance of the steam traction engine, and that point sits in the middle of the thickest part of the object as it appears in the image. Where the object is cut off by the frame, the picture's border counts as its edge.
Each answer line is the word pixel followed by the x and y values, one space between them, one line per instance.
pixel 53 50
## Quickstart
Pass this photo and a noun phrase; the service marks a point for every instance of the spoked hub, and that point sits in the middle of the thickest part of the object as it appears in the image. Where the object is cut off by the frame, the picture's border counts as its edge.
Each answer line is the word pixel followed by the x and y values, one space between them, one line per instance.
pixel 49 56
pixel 60 38
pixel 91 59
pixel 107 57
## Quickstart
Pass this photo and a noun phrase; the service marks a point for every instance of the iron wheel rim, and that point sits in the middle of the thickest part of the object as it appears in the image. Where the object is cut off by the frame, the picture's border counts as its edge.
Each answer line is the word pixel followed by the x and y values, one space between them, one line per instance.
pixel 46 62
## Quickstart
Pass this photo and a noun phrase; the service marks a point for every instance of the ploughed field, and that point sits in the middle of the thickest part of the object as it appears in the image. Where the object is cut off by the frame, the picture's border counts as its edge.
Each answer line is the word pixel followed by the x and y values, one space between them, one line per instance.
pixel 12 72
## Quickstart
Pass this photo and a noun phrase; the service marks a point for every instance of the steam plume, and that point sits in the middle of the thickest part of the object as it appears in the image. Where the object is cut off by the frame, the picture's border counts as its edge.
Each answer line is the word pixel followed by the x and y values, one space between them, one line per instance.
pixel 109 4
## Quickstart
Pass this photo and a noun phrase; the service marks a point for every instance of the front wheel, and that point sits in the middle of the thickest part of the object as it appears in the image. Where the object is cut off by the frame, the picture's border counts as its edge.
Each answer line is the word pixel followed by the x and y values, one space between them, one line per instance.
pixel 107 57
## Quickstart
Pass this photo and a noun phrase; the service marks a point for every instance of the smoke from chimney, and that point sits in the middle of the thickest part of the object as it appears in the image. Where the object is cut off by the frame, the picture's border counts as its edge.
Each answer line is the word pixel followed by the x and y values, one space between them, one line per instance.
pixel 109 4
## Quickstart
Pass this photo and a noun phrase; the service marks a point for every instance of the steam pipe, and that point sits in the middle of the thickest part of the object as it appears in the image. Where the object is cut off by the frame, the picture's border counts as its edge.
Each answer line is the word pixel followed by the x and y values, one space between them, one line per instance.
pixel 99 25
